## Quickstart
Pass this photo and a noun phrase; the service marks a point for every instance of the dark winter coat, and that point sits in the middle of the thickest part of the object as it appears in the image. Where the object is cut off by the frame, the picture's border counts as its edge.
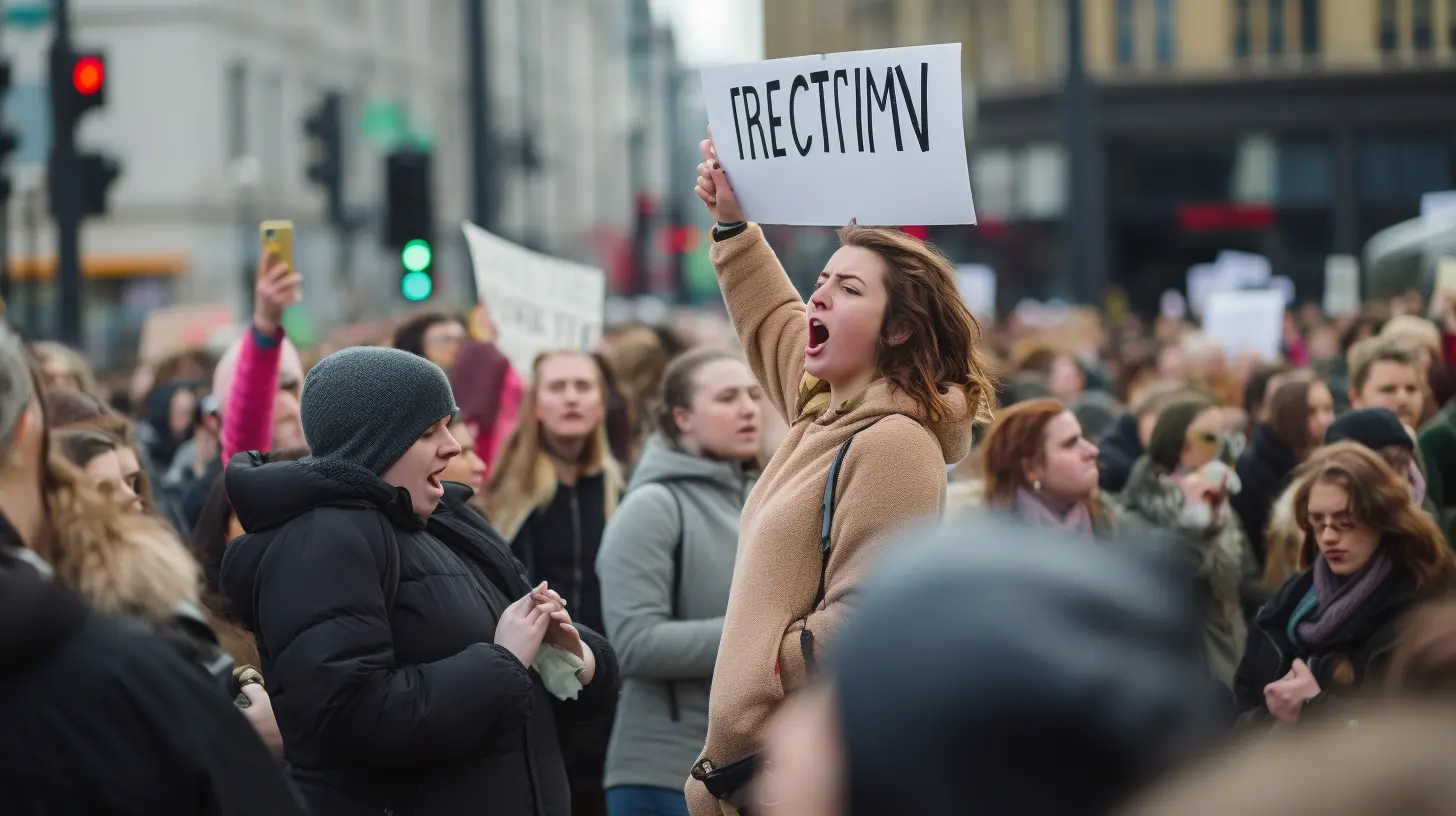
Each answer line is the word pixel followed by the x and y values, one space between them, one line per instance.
pixel 1263 469
pixel 1363 643
pixel 376 633
pixel 98 716
pixel 559 545
pixel 1117 453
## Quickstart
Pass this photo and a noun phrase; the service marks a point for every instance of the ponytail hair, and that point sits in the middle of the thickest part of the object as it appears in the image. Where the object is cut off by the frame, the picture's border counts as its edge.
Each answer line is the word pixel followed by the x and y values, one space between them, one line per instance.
pixel 678 388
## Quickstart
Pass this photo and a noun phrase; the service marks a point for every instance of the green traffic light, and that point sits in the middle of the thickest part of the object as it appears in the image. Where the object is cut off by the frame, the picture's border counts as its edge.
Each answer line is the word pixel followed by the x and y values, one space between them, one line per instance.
pixel 416 256
pixel 417 286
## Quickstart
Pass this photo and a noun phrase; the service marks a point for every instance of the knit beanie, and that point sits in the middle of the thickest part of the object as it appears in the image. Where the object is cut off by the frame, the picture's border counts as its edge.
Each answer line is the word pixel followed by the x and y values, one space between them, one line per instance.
pixel 1165 444
pixel 366 406
pixel 1374 428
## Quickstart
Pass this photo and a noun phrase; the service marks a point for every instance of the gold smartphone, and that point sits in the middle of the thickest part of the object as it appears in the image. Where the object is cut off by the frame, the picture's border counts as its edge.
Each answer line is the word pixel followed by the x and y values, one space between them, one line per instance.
pixel 277 238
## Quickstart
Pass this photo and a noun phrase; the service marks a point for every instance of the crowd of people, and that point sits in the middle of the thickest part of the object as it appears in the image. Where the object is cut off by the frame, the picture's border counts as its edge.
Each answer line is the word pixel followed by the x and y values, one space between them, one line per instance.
pixel 653 578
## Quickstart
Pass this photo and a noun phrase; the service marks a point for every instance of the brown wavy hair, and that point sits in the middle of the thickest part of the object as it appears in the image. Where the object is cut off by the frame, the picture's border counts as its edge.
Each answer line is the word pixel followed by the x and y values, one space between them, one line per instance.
pixel 1380 499
pixel 944 349
pixel 66 409
pixel 1019 434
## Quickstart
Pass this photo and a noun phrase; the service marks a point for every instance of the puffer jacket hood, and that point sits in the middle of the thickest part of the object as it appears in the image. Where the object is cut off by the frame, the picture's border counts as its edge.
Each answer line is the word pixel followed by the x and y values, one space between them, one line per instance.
pixel 266 496
pixel 1045 629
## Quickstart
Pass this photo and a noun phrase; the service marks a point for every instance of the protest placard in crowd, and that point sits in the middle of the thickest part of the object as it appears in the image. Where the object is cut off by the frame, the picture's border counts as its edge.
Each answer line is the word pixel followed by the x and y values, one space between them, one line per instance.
pixel 977 283
pixel 877 136
pixel 537 302
pixel 1342 285
pixel 1246 320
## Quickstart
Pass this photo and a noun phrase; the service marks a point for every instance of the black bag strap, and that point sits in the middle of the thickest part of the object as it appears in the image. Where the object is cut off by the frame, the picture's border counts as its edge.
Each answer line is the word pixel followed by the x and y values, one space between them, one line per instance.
pixel 828 517
pixel 675 603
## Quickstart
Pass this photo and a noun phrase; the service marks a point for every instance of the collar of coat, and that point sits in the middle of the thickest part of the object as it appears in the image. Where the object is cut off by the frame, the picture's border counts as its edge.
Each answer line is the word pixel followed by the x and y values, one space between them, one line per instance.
pixel 814 400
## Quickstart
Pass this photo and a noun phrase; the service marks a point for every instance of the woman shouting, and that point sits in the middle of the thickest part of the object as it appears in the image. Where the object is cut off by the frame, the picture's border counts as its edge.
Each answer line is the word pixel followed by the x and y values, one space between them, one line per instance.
pixel 885 354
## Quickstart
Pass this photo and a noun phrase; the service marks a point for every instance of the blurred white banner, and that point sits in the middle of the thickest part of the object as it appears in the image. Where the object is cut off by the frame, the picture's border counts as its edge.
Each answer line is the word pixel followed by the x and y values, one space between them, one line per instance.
pixel 877 136
pixel 1248 320
pixel 539 303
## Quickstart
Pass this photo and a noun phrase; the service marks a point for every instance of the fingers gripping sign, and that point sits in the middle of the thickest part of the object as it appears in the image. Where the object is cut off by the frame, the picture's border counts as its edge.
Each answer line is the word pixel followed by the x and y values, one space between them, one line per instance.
pixel 713 186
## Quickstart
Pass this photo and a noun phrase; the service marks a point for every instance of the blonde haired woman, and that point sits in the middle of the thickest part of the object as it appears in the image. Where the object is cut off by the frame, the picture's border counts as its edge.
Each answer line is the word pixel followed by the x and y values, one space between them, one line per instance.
pixel 554 488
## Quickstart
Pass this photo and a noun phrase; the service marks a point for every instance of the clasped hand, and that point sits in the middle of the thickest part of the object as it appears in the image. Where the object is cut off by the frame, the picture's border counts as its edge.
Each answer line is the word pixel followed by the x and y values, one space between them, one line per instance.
pixel 540 617
pixel 1285 697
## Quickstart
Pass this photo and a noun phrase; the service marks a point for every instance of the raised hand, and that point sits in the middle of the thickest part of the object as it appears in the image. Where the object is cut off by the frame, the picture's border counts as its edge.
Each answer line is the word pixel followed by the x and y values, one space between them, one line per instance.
pixel 713 187
pixel 278 288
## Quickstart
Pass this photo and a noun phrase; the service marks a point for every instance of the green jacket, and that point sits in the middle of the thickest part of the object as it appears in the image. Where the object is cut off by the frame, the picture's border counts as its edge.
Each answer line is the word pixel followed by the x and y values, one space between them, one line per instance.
pixel 1438 447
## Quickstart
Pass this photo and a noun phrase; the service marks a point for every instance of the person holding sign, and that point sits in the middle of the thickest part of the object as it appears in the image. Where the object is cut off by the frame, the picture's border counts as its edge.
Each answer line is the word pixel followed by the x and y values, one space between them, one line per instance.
pixel 884 355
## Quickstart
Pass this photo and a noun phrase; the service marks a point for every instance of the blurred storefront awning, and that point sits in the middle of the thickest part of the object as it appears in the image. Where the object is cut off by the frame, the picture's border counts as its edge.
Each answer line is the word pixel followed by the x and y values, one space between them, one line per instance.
pixel 111 265
pixel 1404 256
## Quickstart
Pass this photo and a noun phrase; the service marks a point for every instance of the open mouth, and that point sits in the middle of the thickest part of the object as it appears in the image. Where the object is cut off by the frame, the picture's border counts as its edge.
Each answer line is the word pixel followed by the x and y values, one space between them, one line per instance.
pixel 433 480
pixel 818 336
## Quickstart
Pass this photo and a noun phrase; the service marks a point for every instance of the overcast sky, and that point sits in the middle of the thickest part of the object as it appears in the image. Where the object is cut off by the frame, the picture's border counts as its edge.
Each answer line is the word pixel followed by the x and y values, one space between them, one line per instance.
pixel 715 31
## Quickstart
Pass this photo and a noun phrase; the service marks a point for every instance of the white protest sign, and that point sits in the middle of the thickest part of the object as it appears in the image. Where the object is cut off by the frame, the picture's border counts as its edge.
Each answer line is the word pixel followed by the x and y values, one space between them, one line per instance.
pixel 978 288
pixel 1246 320
pixel 1285 285
pixel 1446 276
pixel 1173 304
pixel 1203 281
pixel 1342 285
pixel 538 302
pixel 1438 202
pixel 1244 268
pixel 877 136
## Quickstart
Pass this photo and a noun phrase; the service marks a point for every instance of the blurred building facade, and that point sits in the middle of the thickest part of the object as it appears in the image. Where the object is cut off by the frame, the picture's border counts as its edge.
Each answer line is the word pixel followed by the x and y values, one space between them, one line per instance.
pixel 1294 128
pixel 206 108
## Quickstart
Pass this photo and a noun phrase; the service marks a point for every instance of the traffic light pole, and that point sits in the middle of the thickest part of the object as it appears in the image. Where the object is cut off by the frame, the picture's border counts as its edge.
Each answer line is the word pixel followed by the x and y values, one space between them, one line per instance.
pixel 483 158
pixel 65 189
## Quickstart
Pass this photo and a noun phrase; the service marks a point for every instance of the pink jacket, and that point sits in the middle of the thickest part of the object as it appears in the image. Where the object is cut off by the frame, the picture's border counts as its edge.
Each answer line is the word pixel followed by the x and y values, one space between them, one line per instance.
pixel 513 391
pixel 246 382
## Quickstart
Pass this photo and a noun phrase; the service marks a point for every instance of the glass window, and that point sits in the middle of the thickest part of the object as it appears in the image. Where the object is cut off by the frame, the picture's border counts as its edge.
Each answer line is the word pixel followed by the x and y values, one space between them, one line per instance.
pixel 1389 36
pixel 1422 38
pixel 1243 19
pixel 237 110
pixel 1305 171
pixel 1309 26
pixel 1403 167
pixel 1126 28
pixel 1164 34
pixel 1276 27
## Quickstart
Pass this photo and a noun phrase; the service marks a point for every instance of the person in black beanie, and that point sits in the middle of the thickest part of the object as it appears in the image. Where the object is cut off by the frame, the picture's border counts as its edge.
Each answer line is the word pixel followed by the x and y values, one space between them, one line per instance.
pixel 412 668
pixel 1380 430
pixel 1046 676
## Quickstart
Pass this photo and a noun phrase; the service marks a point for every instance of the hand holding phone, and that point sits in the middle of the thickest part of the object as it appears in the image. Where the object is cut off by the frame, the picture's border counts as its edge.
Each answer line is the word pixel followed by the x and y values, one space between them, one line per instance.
pixel 279 285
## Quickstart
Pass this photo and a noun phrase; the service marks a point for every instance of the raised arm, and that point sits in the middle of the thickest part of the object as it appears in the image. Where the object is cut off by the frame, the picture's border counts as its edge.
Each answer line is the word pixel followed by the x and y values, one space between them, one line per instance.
pixel 767 314
pixel 247 417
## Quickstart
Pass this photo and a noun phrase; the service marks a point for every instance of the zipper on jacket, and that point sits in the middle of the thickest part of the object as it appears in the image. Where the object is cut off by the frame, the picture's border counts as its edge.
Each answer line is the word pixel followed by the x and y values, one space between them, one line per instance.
pixel 576 578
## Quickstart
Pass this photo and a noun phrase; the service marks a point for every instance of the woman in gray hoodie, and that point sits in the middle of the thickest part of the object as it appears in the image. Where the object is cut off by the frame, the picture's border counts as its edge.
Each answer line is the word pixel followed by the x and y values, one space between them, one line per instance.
pixel 665 564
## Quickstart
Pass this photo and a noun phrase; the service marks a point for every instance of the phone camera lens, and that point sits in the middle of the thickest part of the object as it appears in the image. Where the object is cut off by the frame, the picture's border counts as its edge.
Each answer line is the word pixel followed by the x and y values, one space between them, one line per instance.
pixel 269 233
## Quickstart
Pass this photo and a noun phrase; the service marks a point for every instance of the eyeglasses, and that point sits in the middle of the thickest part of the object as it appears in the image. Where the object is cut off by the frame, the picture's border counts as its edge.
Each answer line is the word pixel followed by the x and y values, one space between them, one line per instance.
pixel 1340 524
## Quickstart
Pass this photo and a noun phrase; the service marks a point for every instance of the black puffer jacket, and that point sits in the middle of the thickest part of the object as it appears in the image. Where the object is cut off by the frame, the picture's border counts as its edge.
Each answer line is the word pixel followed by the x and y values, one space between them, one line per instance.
pixel 389 692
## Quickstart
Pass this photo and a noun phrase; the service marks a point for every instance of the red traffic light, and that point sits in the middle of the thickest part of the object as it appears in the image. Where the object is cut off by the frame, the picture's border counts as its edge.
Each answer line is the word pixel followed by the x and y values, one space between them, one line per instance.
pixel 88 75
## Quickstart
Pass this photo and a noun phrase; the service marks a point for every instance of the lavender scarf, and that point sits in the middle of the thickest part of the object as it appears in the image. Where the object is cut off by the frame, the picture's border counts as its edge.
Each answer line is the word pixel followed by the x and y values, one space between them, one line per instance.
pixel 1029 506
pixel 1338 600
